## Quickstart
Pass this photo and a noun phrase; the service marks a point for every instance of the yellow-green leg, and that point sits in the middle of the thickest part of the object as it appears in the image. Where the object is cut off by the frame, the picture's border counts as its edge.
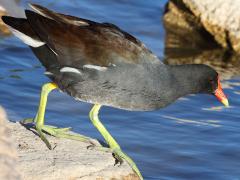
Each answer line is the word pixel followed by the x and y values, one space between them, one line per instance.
pixel 114 146
pixel 54 131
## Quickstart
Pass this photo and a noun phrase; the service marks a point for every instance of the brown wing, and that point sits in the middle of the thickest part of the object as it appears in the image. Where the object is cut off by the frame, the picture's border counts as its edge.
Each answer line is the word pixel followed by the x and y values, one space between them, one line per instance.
pixel 77 41
pixel 79 21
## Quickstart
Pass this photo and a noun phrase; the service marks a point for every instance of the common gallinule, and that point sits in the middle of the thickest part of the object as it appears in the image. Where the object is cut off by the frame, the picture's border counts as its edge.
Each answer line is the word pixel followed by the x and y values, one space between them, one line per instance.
pixel 101 64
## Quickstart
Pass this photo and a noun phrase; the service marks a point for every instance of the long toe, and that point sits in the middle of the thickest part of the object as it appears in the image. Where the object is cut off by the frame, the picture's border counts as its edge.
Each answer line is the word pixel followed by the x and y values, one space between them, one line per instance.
pixel 55 129
pixel 44 139
pixel 27 121
pixel 63 133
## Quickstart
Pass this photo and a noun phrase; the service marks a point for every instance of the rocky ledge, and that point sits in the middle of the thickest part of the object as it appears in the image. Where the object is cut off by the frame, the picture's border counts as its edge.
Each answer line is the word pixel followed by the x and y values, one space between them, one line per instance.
pixel 24 156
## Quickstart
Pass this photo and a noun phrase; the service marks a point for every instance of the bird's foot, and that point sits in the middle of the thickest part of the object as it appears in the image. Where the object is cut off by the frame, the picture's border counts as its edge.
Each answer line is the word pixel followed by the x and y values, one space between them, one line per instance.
pixel 57 132
pixel 120 156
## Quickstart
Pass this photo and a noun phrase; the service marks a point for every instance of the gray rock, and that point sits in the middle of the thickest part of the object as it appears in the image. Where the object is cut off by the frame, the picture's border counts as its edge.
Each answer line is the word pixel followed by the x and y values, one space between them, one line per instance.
pixel 188 42
pixel 12 7
pixel 8 153
pixel 184 30
pixel 4 30
pixel 219 17
pixel 68 160
pixel 214 58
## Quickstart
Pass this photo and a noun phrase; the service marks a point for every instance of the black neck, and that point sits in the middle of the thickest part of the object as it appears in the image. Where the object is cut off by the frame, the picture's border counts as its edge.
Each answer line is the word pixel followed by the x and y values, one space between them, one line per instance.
pixel 190 79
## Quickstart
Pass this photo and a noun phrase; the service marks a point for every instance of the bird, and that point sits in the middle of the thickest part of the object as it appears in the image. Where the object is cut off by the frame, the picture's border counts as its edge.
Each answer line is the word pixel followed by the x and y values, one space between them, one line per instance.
pixel 103 65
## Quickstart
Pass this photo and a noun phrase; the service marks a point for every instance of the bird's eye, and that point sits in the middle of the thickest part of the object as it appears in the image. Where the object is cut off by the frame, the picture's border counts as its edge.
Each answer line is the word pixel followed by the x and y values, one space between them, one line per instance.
pixel 211 81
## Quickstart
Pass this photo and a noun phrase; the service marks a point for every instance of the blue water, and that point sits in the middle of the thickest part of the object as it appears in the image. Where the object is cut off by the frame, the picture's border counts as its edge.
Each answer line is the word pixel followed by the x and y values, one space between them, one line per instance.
pixel 187 140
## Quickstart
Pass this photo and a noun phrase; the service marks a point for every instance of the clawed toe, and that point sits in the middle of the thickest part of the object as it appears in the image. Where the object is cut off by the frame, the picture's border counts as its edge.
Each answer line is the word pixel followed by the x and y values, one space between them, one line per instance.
pixel 44 139
pixel 118 159
pixel 63 133
pixel 91 146
pixel 56 132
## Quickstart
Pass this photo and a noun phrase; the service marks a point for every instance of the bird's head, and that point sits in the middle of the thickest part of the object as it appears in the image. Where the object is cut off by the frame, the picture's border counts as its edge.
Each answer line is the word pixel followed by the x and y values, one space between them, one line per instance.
pixel 211 84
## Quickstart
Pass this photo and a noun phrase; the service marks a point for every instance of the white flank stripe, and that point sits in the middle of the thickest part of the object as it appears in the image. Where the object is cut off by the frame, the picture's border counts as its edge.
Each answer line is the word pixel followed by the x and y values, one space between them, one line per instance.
pixel 70 70
pixel 99 68
pixel 48 73
pixel 26 39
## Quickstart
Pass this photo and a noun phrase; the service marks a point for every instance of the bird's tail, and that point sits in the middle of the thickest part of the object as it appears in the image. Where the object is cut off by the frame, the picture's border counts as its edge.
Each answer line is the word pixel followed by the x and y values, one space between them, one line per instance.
pixel 21 28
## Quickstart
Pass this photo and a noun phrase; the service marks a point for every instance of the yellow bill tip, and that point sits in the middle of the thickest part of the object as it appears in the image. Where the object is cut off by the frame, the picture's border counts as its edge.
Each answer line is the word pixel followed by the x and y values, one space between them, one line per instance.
pixel 225 102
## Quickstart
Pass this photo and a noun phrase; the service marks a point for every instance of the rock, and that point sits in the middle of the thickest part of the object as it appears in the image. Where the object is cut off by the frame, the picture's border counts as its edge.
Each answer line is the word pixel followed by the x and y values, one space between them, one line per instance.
pixel 68 160
pixel 11 8
pixel 188 42
pixel 21 150
pixel 184 30
pixel 218 17
pixel 8 153
pixel 227 65
pixel 3 28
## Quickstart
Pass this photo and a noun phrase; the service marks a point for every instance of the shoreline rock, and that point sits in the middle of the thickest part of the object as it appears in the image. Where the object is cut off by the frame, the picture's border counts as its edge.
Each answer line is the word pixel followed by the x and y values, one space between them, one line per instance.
pixel 8 152
pixel 219 18
pixel 68 160
pixel 188 42
pixel 4 30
